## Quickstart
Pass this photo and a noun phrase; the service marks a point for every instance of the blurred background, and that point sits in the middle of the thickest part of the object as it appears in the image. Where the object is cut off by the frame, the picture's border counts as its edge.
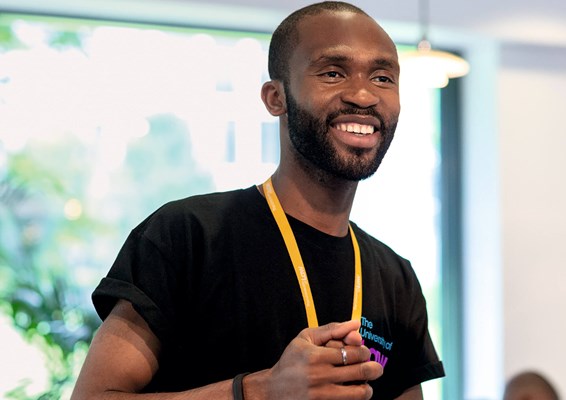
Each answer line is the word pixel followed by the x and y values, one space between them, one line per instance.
pixel 109 109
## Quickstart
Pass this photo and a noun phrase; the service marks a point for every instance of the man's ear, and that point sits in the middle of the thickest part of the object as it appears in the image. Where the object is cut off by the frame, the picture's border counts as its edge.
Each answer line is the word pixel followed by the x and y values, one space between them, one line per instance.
pixel 273 96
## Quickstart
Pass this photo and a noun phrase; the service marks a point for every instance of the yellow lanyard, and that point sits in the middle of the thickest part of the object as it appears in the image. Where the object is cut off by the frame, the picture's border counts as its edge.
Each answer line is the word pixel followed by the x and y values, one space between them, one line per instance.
pixel 297 261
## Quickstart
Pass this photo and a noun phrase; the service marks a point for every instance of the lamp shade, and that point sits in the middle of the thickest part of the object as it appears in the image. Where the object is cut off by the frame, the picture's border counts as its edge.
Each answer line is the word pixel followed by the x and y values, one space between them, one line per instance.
pixel 432 68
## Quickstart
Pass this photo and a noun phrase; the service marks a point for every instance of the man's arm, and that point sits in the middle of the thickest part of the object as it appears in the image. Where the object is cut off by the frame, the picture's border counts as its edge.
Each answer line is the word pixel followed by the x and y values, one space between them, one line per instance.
pixel 122 360
pixel 414 393
pixel 124 354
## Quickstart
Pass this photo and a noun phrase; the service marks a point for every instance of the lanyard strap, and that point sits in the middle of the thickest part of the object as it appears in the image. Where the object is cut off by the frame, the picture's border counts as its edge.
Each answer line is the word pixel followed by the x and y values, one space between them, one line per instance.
pixel 297 261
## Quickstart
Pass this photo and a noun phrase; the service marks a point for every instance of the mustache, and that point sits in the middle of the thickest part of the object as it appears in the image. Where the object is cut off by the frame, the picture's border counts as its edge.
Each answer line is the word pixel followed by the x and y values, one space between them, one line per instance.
pixel 358 111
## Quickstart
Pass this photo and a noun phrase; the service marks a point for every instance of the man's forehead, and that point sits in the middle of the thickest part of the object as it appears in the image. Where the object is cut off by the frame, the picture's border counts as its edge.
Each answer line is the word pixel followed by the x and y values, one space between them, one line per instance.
pixel 342 34
pixel 332 28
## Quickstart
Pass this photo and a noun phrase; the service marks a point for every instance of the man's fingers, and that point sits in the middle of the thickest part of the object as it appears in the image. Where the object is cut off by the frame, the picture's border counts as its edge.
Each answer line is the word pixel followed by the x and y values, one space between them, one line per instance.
pixel 334 331
pixel 335 344
pixel 339 391
pixel 358 373
pixel 353 338
pixel 347 355
pixel 340 355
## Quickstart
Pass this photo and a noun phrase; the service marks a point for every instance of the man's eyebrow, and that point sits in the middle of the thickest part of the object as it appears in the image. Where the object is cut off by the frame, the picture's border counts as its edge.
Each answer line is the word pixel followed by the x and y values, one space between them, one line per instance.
pixel 389 63
pixel 386 63
pixel 331 59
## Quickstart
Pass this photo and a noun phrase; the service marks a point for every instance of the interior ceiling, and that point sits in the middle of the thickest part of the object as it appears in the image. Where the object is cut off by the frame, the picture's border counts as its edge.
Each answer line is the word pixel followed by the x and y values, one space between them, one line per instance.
pixel 520 21
pixel 540 22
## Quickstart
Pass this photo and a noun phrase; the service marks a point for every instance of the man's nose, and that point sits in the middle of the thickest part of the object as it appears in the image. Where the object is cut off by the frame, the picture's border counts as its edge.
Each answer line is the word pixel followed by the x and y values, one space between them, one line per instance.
pixel 361 93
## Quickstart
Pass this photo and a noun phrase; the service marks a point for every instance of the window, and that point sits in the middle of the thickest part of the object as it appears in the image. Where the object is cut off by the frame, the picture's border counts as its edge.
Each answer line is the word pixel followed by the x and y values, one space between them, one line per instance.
pixel 101 123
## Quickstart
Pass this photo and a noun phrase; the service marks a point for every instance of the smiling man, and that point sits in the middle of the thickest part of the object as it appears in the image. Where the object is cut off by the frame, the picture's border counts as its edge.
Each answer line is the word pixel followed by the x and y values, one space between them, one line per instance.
pixel 270 292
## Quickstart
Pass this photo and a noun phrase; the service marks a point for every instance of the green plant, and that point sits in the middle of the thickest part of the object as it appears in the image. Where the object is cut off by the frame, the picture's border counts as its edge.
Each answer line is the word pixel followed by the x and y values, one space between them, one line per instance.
pixel 37 290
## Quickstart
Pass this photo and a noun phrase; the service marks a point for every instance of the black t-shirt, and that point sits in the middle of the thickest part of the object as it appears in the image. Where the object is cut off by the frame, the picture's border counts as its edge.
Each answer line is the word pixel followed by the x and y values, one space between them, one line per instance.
pixel 213 279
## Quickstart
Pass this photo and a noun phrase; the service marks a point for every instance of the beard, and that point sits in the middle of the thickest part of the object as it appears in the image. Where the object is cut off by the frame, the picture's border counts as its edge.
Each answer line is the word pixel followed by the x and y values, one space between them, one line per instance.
pixel 310 138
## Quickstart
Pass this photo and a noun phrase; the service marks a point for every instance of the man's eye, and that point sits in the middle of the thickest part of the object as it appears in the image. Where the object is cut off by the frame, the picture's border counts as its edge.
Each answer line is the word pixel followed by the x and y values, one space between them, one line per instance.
pixel 383 79
pixel 332 74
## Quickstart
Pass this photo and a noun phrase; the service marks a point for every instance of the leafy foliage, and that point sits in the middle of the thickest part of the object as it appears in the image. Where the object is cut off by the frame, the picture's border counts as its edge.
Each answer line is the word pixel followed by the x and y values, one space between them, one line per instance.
pixel 43 251
pixel 39 295
pixel 7 38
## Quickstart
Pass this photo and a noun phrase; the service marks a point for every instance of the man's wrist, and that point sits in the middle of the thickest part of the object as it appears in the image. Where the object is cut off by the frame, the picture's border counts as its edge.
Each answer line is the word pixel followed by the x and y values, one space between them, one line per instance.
pixel 255 385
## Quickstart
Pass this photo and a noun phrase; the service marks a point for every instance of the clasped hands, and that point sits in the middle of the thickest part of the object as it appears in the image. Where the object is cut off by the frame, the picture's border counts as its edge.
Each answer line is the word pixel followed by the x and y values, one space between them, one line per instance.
pixel 327 362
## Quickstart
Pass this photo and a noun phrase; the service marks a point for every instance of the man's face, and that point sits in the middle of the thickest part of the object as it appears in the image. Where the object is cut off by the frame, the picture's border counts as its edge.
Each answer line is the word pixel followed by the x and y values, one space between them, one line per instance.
pixel 342 96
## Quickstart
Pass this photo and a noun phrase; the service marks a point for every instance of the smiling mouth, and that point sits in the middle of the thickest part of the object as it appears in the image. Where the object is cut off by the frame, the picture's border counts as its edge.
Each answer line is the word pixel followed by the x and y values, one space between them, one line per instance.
pixel 358 129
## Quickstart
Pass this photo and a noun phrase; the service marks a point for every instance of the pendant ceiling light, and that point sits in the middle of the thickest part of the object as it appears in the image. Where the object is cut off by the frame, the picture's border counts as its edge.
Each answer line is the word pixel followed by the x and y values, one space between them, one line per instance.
pixel 428 67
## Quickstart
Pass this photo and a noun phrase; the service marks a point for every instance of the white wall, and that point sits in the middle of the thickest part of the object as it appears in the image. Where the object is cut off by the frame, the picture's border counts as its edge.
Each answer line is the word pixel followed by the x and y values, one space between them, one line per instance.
pixel 514 215
pixel 532 130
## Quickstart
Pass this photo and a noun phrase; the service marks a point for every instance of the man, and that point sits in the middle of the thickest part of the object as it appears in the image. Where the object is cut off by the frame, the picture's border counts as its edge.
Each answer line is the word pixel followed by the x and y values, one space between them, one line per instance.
pixel 218 286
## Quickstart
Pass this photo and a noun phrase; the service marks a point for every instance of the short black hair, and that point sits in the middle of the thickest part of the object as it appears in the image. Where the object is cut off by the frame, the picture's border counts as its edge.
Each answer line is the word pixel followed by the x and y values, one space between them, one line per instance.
pixel 286 36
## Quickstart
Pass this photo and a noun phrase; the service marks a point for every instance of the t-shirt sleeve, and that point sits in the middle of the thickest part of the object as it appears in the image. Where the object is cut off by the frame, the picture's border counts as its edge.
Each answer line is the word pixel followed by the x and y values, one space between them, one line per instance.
pixel 147 274
pixel 427 364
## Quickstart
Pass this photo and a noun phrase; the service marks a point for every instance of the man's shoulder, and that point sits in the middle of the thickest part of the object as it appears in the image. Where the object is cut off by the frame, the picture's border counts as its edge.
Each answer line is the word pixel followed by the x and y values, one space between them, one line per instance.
pixel 212 203
pixel 382 257
pixel 375 245
pixel 199 209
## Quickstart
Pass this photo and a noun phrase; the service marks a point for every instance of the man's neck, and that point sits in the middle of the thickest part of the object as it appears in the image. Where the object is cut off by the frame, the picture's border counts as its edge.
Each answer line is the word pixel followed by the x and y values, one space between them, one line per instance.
pixel 324 204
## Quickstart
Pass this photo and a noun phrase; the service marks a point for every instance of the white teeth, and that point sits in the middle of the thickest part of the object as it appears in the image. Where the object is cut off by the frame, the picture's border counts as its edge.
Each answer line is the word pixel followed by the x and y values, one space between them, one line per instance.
pixel 356 128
